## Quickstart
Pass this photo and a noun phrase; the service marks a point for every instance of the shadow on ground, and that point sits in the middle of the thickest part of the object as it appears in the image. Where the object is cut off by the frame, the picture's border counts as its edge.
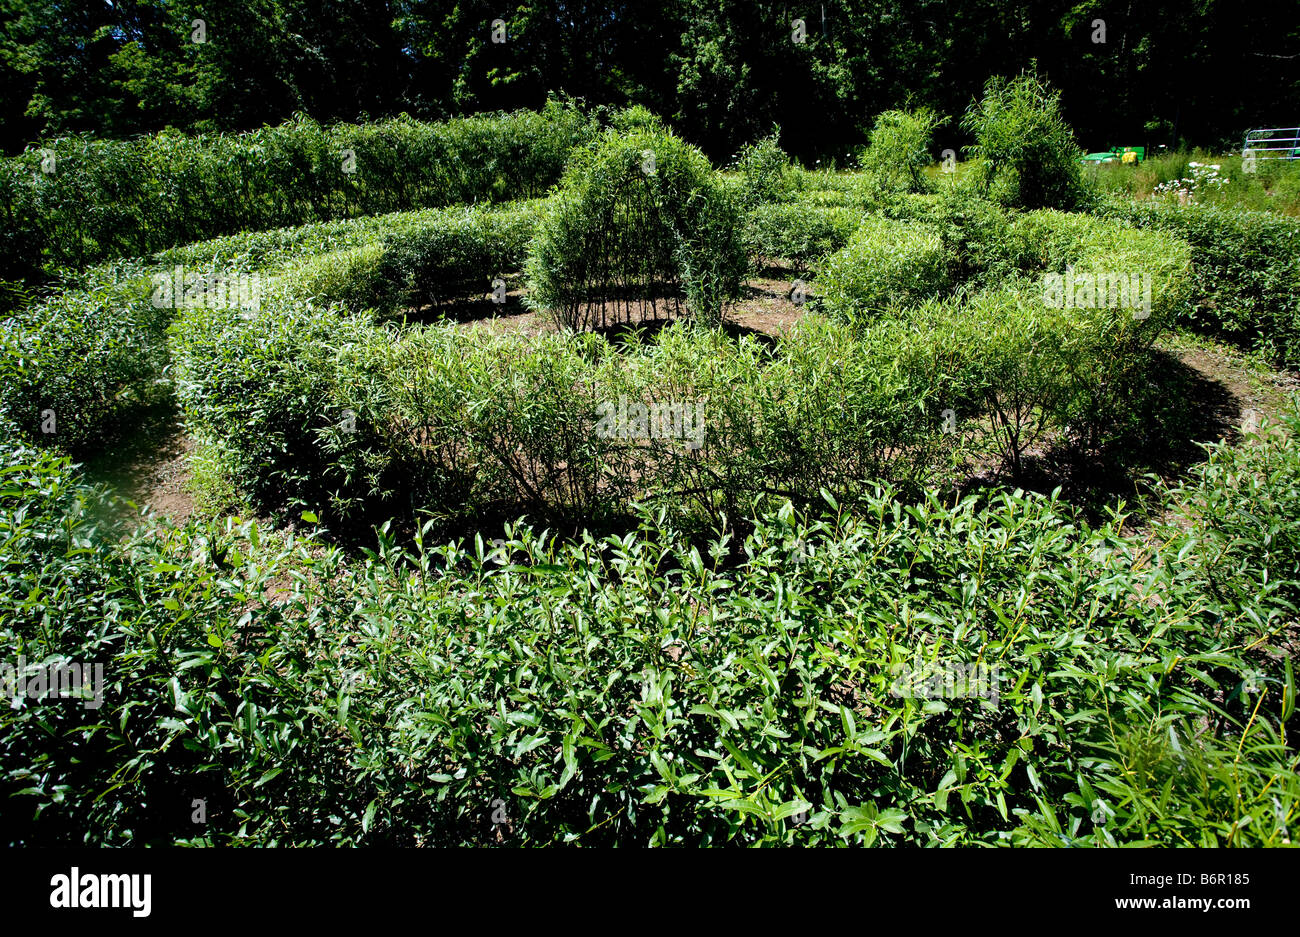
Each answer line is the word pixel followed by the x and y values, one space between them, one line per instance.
pixel 1173 416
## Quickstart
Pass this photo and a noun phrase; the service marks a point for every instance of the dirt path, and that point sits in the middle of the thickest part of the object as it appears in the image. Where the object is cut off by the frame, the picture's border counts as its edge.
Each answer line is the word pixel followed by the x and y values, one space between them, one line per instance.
pixel 1255 392
pixel 162 482
pixel 151 465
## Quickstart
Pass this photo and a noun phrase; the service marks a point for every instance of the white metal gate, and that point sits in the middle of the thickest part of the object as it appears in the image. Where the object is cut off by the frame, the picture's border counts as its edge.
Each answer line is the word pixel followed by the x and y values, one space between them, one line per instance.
pixel 1272 143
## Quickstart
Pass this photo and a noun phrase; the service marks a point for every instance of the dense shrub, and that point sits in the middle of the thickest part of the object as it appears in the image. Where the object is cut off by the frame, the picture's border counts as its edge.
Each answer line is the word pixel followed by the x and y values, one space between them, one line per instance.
pixel 464 425
pixel 356 277
pixel 639 222
pixel 1056 241
pixel 885 263
pixel 773 689
pixel 1008 350
pixel 634 118
pixel 112 198
pixel 468 426
pixel 319 411
pixel 74 365
pixel 765 171
pixel 899 149
pixel 797 232
pixel 453 254
pixel 276 247
pixel 1038 373
pixel 977 234
pixel 1108 291
pixel 1026 155
pixel 1246 270
pixel 93 352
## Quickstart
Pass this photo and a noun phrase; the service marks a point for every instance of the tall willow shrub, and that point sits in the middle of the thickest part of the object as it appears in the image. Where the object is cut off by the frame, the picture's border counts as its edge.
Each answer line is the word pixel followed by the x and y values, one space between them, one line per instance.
pixel 1025 151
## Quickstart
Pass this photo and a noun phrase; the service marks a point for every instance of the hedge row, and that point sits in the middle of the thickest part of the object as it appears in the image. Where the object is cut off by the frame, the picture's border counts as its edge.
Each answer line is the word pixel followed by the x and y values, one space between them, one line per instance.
pixel 1247 270
pixel 805 684
pixel 125 198
pixel 307 407
pixel 885 263
pixel 92 352
pixel 73 366
pixel 798 233
pixel 927 244
pixel 432 260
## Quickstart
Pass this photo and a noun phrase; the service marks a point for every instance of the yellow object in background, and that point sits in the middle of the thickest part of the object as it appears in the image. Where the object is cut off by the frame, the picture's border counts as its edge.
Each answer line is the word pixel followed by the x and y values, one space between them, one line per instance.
pixel 1129 157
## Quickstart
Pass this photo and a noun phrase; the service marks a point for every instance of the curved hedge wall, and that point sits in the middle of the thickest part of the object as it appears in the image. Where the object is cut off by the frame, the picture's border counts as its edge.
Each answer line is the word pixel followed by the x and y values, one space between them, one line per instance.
pixel 126 198
pixel 1246 283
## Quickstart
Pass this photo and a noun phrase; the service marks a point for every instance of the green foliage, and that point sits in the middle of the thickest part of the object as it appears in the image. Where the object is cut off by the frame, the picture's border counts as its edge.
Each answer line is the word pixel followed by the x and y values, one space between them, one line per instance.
pixel 74 365
pixel 900 149
pixel 764 169
pixel 94 351
pixel 635 118
pixel 109 198
pixel 1026 151
pixel 886 263
pixel 467 426
pixel 1021 360
pixel 797 232
pixel 977 235
pixel 1104 329
pixel 639 222
pixel 1056 241
pixel 354 277
pixel 1246 268
pixel 398 698
pixel 454 254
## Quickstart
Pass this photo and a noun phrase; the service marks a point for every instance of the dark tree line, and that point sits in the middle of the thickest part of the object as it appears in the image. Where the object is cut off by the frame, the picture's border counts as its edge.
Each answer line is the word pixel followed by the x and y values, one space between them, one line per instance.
pixel 723 71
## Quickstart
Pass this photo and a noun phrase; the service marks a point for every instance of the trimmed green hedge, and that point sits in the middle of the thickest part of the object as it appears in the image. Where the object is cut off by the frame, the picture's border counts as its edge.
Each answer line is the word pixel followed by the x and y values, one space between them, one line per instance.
pixel 465 425
pixel 310 408
pixel 1246 270
pixel 1052 242
pixel 798 233
pixel 454 254
pixel 886 263
pixel 72 366
pixel 114 198
pixel 93 351
pixel 977 234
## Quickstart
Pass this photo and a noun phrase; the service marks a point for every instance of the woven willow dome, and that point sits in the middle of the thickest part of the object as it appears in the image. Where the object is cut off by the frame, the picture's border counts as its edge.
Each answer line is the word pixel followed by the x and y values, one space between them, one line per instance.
pixel 641 229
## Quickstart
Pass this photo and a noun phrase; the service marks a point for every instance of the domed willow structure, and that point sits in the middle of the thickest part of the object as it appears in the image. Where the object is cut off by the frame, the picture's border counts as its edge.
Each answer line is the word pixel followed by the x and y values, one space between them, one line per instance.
pixel 641 229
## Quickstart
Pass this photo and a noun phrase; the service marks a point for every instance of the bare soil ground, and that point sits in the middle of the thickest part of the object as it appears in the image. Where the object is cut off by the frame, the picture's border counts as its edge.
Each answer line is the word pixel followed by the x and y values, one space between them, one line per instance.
pixel 150 466
pixel 765 308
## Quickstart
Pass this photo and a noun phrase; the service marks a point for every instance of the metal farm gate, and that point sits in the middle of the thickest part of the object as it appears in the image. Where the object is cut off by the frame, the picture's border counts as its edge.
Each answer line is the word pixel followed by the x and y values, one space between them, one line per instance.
pixel 1272 143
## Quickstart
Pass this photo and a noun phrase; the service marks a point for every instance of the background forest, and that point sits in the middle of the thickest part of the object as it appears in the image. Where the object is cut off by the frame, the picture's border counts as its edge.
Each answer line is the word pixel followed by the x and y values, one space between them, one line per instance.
pixel 1162 72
